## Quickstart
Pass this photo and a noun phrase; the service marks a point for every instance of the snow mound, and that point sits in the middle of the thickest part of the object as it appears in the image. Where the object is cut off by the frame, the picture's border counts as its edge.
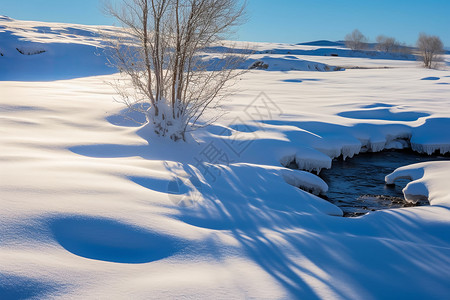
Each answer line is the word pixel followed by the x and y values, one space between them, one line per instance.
pixel 432 136
pixel 307 159
pixel 305 181
pixel 429 181
pixel 231 204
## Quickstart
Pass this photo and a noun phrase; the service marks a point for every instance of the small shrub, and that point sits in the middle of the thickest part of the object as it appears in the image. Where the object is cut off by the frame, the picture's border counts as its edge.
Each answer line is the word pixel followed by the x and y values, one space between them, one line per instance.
pixel 259 65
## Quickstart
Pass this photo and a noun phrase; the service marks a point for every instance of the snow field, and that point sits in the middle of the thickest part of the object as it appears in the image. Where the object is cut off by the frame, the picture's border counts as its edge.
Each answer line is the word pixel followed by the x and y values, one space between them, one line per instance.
pixel 94 208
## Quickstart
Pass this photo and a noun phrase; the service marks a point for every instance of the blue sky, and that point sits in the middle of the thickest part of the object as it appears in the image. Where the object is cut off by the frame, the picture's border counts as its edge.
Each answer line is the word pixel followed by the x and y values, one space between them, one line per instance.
pixel 290 21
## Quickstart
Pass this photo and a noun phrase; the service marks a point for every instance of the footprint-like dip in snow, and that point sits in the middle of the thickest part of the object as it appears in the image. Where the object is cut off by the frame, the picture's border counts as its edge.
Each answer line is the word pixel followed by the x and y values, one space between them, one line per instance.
pixel 383 114
pixel 430 78
pixel 113 241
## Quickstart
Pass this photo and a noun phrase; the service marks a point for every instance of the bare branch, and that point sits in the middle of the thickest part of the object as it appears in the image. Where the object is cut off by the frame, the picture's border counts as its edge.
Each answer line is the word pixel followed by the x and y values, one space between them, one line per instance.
pixel 356 40
pixel 162 55
pixel 430 48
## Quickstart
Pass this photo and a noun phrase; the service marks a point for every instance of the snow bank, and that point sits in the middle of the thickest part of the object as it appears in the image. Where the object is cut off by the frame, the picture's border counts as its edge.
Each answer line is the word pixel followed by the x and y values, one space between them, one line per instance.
pixel 386 136
pixel 340 148
pixel 336 50
pixel 432 136
pixel 287 63
pixel 428 181
pixel 307 159
pixel 241 195
pixel 305 181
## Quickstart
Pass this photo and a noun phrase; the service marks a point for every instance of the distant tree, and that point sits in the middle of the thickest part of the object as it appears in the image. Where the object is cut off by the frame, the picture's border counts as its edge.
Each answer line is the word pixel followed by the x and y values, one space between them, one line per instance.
pixel 356 40
pixel 391 45
pixel 162 54
pixel 404 49
pixel 387 44
pixel 430 48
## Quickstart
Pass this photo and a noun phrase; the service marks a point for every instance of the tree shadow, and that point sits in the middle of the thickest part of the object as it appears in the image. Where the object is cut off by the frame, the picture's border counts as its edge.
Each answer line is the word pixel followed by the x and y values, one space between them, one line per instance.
pixel 285 232
pixel 20 287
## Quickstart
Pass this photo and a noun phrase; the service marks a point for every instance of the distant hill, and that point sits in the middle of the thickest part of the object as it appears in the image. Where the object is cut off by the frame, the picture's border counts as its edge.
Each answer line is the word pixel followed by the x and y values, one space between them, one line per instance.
pixel 324 43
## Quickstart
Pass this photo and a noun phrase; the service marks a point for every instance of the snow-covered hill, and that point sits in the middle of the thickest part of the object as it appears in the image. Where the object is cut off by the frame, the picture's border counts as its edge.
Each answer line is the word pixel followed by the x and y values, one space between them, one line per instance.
pixel 50 51
pixel 93 208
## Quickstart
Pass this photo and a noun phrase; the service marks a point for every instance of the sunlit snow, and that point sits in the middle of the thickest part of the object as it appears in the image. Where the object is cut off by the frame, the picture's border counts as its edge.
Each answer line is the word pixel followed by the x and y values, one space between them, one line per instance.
pixel 93 207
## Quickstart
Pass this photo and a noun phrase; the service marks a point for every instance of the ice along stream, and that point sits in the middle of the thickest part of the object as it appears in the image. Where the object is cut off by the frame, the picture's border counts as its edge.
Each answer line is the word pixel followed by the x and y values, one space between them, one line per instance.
pixel 357 184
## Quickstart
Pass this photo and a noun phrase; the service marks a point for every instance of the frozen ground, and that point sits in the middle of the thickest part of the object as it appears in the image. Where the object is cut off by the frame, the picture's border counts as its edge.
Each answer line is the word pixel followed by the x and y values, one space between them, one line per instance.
pixel 91 209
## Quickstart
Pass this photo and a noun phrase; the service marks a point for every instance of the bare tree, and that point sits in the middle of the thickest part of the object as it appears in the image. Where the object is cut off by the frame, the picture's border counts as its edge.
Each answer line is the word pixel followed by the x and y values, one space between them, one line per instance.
pixel 355 40
pixel 391 45
pixel 430 49
pixel 387 44
pixel 163 56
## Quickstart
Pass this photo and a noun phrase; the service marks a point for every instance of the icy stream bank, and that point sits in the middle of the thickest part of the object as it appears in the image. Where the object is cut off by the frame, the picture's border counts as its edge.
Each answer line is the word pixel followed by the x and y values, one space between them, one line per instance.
pixel 357 185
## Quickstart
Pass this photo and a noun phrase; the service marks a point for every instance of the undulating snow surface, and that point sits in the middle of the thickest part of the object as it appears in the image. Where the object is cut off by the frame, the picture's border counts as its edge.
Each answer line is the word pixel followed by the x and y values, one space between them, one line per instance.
pixel 91 207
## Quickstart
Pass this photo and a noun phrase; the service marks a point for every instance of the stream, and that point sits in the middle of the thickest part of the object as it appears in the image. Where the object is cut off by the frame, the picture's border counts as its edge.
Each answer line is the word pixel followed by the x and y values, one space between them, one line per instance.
pixel 357 186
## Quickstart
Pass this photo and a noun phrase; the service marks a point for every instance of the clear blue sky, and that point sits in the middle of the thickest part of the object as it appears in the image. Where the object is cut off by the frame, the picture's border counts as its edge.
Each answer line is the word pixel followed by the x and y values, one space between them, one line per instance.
pixel 290 21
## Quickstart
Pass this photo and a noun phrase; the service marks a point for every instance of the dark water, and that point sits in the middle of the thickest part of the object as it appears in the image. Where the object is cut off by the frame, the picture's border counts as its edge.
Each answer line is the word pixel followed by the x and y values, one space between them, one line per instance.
pixel 357 185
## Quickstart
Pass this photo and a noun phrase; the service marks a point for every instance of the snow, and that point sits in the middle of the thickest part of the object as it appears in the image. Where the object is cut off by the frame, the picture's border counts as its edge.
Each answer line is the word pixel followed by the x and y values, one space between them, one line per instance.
pixel 288 63
pixel 307 159
pixel 305 181
pixel 429 137
pixel 94 207
pixel 428 181
pixel 39 51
